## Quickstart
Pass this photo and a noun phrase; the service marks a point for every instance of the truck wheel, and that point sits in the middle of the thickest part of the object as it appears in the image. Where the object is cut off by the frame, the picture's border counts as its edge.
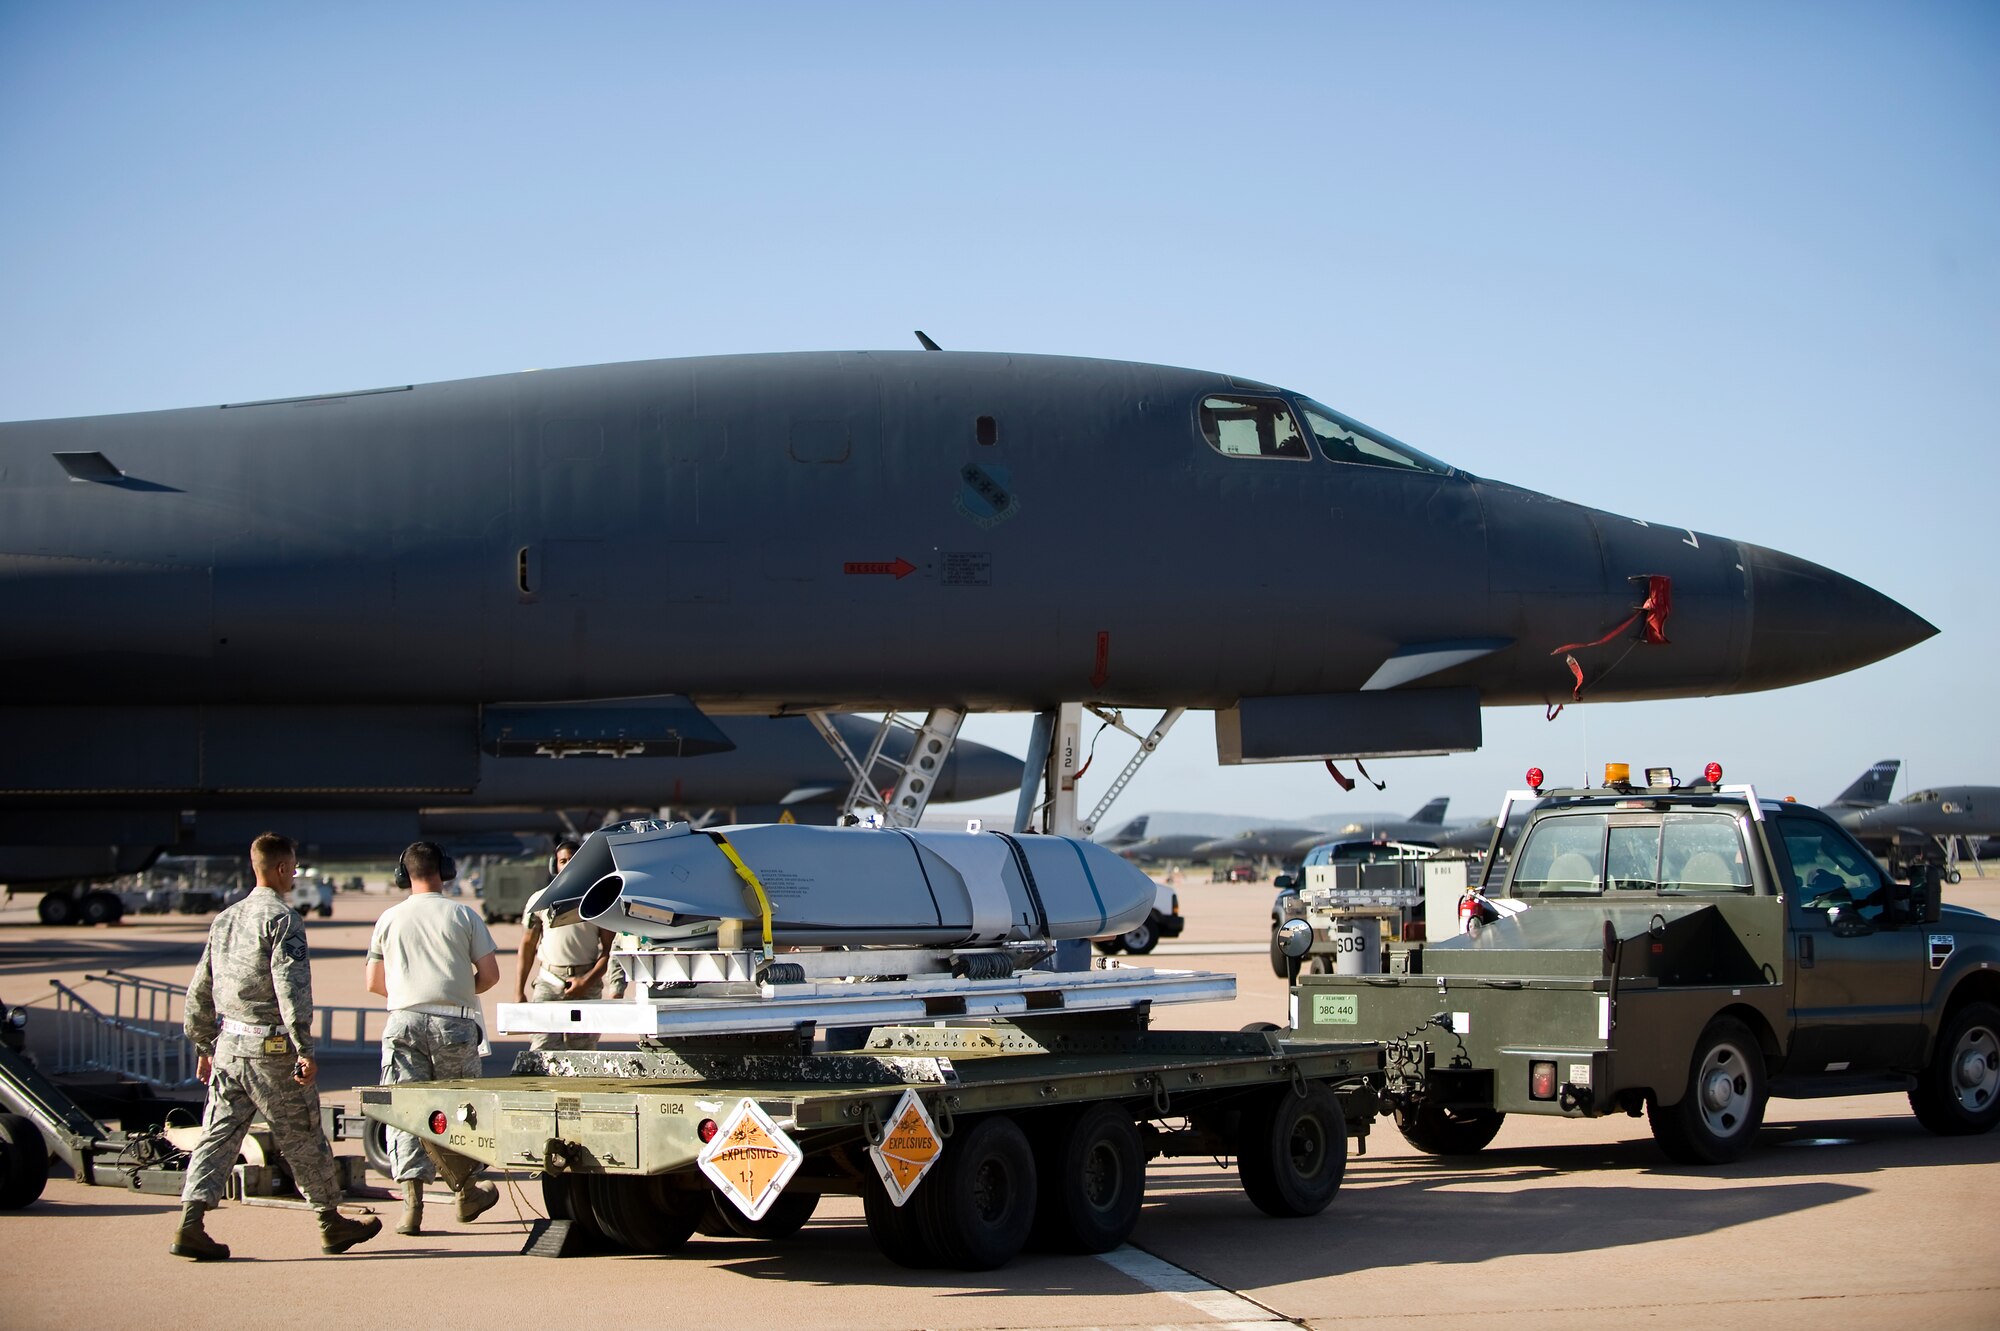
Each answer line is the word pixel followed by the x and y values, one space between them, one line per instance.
pixel 1090 1180
pixel 57 908
pixel 1278 958
pixel 24 1162
pixel 787 1216
pixel 979 1201
pixel 643 1213
pixel 563 1197
pixel 1723 1106
pixel 899 1231
pixel 1291 1150
pixel 101 907
pixel 1144 938
pixel 1111 947
pixel 1958 1092
pixel 1435 1130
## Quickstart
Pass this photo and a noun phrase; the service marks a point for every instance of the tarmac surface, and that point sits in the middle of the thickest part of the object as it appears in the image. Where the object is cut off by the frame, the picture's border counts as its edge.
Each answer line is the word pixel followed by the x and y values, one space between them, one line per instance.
pixel 1848 1214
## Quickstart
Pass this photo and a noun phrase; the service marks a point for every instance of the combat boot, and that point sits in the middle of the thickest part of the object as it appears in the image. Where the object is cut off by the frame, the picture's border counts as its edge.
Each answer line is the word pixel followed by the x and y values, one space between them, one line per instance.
pixel 413 1207
pixel 192 1241
pixel 337 1233
pixel 475 1199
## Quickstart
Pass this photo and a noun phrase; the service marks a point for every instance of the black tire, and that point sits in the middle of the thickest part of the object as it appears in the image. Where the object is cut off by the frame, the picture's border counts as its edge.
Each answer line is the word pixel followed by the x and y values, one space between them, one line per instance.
pixel 979 1200
pixel 57 908
pixel 714 1222
pixel 1090 1180
pixel 899 1231
pixel 786 1217
pixel 1259 1027
pixel 326 912
pixel 1111 947
pixel 1958 1092
pixel 24 1162
pixel 1144 938
pixel 101 907
pixel 1291 1150
pixel 1435 1130
pixel 1952 877
pixel 375 1147
pixel 1719 1112
pixel 643 1213
pixel 1280 963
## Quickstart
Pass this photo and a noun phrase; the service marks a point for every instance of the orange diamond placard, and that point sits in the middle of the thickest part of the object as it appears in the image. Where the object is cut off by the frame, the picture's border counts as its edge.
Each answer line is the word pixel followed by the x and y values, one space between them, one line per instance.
pixel 908 1148
pixel 751 1159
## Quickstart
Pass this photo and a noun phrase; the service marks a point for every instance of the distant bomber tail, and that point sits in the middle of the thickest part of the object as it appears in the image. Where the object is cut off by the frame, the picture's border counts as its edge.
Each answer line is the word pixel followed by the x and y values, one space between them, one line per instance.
pixel 1432 812
pixel 1872 787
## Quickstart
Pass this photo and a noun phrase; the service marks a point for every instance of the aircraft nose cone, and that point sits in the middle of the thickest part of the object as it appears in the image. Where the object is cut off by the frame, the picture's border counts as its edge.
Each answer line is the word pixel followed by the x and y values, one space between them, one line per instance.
pixel 1808 622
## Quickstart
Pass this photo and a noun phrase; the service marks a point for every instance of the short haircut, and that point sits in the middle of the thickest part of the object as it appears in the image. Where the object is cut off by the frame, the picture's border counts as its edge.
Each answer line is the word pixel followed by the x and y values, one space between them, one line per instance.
pixel 269 848
pixel 423 860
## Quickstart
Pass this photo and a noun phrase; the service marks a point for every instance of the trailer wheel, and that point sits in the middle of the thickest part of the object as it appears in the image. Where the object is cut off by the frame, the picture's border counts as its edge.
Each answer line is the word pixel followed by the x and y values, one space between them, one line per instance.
pixel 1723 1106
pixel 24 1162
pixel 1280 966
pixel 643 1213
pixel 375 1146
pixel 1090 1181
pixel 899 1231
pixel 57 908
pixel 1436 1130
pixel 101 907
pixel 787 1216
pixel 1111 947
pixel 1958 1092
pixel 979 1201
pixel 564 1198
pixel 1291 1150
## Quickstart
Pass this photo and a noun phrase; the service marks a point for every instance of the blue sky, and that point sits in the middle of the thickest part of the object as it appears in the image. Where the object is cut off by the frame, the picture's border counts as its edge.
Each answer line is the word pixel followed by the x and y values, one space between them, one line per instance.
pixel 1731 267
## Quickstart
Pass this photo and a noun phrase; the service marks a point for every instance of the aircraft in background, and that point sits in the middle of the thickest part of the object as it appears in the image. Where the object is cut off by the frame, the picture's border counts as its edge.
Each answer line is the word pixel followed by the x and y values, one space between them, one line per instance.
pixel 1950 815
pixel 1425 825
pixel 1869 790
pixel 777 768
pixel 368 591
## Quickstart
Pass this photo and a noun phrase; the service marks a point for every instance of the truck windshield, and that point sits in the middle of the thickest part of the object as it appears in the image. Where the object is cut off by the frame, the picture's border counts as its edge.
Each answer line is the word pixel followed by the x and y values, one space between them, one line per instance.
pixel 1564 857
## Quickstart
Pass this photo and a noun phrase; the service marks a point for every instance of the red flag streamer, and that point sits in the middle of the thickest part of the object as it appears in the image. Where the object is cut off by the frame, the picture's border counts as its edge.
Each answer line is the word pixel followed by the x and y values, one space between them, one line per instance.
pixel 1659 603
pixel 1343 782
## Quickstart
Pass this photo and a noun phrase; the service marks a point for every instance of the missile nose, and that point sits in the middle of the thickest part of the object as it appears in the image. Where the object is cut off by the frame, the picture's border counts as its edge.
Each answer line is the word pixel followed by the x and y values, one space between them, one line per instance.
pixel 1808 622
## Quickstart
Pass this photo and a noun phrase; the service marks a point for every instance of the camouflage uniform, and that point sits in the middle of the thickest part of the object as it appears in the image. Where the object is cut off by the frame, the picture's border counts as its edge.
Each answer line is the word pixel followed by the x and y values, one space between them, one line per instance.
pixel 552 976
pixel 254 973
pixel 424 1046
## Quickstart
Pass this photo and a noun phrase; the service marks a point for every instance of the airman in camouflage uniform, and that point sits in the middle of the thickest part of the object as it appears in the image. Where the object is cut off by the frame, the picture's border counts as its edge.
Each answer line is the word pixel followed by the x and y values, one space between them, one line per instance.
pixel 249 1016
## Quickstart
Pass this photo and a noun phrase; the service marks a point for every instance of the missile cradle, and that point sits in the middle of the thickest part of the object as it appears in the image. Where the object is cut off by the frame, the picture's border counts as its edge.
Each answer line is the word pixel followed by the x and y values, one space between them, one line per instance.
pixel 848 887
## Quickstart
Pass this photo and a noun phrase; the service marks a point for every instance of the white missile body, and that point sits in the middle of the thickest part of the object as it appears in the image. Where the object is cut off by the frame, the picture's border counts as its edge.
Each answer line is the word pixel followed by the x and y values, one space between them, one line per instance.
pixel 850 886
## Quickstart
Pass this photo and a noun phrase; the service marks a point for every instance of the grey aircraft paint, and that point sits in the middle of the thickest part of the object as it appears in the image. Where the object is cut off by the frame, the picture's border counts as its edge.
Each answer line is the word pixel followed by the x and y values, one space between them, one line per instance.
pixel 397 568
pixel 1941 811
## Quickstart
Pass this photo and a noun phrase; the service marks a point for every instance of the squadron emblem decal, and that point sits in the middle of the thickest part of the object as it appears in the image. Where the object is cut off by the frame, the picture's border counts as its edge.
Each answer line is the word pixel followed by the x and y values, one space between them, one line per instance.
pixel 984 496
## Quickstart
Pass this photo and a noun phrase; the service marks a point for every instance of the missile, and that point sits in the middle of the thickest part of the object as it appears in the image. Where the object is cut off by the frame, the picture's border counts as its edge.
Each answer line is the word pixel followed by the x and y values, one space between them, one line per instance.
pixel 848 887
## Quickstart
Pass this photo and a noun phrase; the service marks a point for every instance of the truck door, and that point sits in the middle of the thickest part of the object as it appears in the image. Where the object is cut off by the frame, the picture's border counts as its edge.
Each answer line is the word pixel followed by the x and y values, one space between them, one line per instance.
pixel 1859 985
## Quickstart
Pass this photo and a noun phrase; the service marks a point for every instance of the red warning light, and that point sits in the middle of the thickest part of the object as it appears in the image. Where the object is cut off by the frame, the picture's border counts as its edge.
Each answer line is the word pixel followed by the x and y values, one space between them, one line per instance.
pixel 1534 778
pixel 1713 774
pixel 707 1130
pixel 439 1122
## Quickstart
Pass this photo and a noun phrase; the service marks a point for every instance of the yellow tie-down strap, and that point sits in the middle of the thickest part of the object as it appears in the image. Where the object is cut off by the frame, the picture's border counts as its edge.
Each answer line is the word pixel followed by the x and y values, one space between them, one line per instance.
pixel 744 872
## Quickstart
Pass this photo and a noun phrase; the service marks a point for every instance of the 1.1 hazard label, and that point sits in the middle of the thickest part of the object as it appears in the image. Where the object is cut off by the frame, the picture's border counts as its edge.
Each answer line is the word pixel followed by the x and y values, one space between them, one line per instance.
pixel 909 1147
pixel 751 1159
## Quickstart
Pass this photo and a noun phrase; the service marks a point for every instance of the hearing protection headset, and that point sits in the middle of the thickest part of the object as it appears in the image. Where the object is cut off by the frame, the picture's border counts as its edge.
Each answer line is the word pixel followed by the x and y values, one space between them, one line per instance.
pixel 447 866
pixel 566 843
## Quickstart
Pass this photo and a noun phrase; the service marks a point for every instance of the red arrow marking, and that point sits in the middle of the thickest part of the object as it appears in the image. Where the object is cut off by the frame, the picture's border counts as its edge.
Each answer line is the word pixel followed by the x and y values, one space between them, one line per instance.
pixel 1102 671
pixel 901 568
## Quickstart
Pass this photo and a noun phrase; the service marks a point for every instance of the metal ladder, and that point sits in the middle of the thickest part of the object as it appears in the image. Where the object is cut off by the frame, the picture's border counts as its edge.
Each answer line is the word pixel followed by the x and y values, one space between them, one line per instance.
pixel 916 773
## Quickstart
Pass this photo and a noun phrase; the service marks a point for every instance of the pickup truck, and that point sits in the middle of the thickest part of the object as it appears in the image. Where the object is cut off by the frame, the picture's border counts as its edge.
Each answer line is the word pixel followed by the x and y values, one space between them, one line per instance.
pixel 1682 952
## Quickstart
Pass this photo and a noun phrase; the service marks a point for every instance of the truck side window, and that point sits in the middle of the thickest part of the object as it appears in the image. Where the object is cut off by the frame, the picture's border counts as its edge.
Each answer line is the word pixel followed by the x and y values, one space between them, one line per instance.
pixel 1564 857
pixel 1252 427
pixel 1828 869
pixel 1702 852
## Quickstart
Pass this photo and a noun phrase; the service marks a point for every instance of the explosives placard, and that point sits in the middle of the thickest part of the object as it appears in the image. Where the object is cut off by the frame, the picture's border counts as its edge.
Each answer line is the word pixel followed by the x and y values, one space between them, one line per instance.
pixel 751 1159
pixel 909 1147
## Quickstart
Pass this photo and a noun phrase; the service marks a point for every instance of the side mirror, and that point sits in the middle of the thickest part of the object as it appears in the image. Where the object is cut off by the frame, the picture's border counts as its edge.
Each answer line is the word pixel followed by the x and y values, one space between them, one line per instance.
pixel 1295 938
pixel 1284 882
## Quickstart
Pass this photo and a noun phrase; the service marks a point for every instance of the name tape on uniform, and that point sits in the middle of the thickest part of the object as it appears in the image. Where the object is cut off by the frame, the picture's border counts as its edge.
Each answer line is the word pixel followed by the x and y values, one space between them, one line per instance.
pixel 908 1148
pixel 751 1159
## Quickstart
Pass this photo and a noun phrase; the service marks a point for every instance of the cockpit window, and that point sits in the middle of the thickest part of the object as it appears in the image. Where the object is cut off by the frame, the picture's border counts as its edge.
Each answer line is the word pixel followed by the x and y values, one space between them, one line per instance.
pixel 1344 439
pixel 1252 427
